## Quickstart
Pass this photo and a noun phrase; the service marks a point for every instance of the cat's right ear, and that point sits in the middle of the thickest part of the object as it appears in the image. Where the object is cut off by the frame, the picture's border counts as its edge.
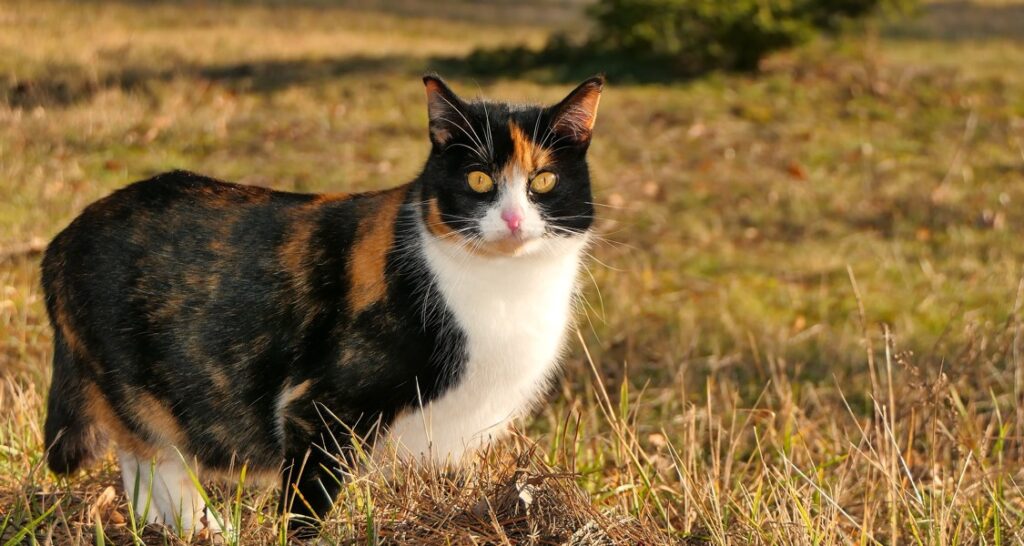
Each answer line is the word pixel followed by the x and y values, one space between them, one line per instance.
pixel 444 108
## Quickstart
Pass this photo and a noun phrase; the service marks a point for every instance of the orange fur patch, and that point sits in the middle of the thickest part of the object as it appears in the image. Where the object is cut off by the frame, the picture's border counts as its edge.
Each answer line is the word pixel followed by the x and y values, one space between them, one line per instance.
pixel 63 319
pixel 374 238
pixel 106 419
pixel 157 417
pixel 331 198
pixel 296 392
pixel 527 157
pixel 294 253
pixel 437 226
pixel 296 259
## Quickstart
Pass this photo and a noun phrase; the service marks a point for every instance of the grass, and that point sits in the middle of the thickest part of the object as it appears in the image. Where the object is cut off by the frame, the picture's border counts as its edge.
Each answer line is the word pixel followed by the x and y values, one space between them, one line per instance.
pixel 804 325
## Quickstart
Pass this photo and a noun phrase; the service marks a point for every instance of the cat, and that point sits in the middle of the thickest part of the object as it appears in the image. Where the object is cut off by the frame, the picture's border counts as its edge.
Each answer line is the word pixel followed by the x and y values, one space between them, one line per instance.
pixel 200 325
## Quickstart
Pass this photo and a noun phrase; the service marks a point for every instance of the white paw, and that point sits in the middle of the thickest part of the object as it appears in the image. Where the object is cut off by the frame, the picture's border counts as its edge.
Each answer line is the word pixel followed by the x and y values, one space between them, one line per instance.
pixel 210 528
pixel 167 495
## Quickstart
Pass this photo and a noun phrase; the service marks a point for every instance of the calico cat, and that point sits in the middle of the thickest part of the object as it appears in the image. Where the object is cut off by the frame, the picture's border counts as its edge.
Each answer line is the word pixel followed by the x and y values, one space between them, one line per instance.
pixel 200 324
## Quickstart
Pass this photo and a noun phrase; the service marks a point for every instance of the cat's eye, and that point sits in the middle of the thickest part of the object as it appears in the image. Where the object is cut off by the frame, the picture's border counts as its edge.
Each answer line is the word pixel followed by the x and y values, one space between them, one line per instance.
pixel 480 182
pixel 543 182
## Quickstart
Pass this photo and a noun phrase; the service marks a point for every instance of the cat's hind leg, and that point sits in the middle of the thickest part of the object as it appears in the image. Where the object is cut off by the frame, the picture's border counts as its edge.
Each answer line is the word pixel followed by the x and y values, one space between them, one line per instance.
pixel 162 490
pixel 72 438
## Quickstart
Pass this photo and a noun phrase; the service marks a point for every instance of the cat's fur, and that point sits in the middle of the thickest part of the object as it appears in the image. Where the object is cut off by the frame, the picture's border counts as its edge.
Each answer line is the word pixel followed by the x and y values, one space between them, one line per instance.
pixel 204 325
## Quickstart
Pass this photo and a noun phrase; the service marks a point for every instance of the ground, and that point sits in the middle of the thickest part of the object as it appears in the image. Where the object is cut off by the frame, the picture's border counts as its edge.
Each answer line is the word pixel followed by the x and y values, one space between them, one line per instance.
pixel 802 321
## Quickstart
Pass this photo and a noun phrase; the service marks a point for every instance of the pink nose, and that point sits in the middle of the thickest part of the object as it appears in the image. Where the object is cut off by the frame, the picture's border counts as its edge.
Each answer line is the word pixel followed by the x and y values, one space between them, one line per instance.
pixel 513 219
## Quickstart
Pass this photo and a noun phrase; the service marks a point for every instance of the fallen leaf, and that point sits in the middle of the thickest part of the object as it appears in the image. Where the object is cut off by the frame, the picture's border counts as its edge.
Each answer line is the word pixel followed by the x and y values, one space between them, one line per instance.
pixel 796 170
pixel 103 502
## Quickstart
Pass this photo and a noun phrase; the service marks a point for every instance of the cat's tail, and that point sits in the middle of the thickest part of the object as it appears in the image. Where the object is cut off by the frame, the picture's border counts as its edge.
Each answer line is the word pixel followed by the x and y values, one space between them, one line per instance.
pixel 72 438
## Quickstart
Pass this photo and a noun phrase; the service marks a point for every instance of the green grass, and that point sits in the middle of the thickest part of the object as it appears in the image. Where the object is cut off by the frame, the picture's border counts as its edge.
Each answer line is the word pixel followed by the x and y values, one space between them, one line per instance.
pixel 804 322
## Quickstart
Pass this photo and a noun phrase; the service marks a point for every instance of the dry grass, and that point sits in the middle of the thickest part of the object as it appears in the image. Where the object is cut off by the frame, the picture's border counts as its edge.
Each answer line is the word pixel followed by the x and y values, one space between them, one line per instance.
pixel 804 326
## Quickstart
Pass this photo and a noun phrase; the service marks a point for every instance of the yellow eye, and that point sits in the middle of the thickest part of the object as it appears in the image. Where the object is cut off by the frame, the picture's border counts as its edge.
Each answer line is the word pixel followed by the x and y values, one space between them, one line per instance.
pixel 480 182
pixel 543 182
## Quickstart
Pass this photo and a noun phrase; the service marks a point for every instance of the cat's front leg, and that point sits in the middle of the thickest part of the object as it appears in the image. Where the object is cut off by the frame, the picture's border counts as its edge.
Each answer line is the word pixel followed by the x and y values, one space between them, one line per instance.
pixel 310 481
pixel 163 490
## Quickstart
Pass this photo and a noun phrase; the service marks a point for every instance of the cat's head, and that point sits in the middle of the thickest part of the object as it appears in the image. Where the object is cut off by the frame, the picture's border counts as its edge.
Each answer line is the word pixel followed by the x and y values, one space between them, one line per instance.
pixel 508 179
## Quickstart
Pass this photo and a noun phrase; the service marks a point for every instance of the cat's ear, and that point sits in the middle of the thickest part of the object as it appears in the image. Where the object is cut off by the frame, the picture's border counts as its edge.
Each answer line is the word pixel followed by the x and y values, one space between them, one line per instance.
pixel 574 117
pixel 444 108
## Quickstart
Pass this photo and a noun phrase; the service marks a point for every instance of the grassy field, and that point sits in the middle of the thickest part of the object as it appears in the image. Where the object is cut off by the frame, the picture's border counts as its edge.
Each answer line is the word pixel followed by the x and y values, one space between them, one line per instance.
pixel 803 322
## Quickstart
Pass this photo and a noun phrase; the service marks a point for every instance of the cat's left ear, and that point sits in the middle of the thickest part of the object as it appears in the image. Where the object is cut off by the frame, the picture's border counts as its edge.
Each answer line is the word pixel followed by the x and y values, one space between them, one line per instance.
pixel 574 117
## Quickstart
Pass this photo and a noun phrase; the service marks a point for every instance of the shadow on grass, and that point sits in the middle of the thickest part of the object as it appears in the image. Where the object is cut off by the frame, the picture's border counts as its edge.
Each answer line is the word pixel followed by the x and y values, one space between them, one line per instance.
pixel 543 13
pixel 562 63
pixel 67 85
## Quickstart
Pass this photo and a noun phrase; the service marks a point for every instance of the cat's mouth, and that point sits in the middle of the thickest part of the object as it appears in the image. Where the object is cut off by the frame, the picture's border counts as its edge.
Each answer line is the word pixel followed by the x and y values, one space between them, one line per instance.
pixel 497 244
pixel 512 245
pixel 508 244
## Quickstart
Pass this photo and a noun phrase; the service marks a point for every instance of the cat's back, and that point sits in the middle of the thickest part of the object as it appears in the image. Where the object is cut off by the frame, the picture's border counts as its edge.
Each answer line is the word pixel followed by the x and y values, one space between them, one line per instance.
pixel 160 205
pixel 164 221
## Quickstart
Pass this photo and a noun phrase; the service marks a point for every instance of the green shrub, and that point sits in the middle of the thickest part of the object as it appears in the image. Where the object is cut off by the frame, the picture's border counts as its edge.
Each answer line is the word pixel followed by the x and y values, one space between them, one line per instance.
pixel 665 40
pixel 693 36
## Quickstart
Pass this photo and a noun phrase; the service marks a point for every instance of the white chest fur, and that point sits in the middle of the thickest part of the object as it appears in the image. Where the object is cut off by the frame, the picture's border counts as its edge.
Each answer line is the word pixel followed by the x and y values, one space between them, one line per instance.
pixel 514 312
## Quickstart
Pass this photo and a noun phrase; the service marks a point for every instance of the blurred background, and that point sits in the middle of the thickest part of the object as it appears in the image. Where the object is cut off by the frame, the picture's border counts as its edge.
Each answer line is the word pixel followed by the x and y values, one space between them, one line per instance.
pixel 802 316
